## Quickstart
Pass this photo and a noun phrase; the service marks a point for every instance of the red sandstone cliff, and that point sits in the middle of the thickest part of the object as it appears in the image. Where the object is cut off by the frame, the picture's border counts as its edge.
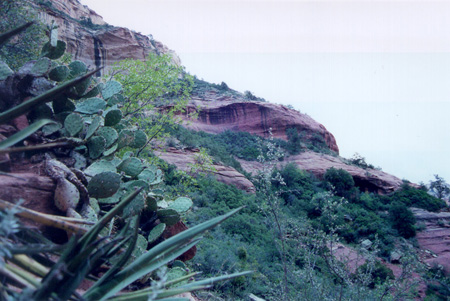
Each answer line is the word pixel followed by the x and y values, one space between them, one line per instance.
pixel 255 117
pixel 90 39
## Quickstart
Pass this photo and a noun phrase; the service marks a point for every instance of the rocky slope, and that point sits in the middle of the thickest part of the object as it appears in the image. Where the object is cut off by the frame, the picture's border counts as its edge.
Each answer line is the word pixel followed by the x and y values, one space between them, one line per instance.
pixel 434 239
pixel 90 39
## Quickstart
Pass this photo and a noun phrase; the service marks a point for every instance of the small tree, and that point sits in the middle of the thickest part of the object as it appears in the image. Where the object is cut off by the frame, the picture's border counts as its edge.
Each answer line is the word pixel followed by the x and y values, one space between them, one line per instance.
pixel 439 188
pixel 155 90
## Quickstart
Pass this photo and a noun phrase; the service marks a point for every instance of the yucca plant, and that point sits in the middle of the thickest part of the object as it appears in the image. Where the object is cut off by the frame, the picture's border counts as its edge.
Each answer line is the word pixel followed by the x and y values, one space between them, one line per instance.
pixel 108 260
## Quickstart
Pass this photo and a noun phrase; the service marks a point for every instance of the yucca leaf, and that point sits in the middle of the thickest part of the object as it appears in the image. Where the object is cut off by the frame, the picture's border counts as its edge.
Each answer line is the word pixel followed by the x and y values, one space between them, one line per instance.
pixel 9 34
pixel 178 239
pixel 91 235
pixel 31 279
pixel 49 95
pixel 50 281
pixel 122 280
pixel 147 291
pixel 19 136
pixel 154 258
pixel 123 258
pixel 29 265
pixel 80 267
pixel 178 280
pixel 160 295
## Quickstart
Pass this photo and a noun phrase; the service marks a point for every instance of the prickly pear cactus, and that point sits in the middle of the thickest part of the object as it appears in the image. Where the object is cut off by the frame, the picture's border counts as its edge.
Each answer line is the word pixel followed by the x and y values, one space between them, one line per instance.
pixel 59 73
pixel 131 167
pixel 104 185
pixel 181 204
pixel 112 87
pixel 168 216
pixel 73 124
pixel 156 232
pixel 113 117
pixel 91 106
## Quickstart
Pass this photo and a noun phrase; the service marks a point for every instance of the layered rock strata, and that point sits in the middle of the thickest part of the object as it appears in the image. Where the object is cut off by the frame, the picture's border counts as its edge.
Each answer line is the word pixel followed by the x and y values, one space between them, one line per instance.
pixel 90 39
pixel 256 118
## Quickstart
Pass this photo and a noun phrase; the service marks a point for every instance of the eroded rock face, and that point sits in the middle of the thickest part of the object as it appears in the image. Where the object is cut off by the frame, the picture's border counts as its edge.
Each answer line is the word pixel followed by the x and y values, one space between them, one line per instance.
pixel 185 159
pixel 370 180
pixel 434 240
pixel 90 39
pixel 216 116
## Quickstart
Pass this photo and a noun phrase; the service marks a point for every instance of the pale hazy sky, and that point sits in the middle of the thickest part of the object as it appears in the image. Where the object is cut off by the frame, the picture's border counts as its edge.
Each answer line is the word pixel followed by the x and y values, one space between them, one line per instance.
pixel 375 73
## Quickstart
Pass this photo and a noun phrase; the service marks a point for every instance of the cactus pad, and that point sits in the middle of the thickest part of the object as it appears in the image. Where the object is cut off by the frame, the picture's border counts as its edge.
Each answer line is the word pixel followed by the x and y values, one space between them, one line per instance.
pixel 99 167
pixel 62 104
pixel 110 150
pixel 54 53
pixel 41 67
pixel 175 273
pixel 96 146
pixel 147 175
pixel 81 87
pixel 181 204
pixel 91 106
pixel 104 185
pixel 116 99
pixel 112 87
pixel 73 124
pixel 180 264
pixel 109 134
pixel 140 139
pixel 93 92
pixel 93 127
pixel 168 216
pixel 59 73
pixel 50 129
pixel 156 232
pixel 88 213
pixel 113 117
pixel 131 166
pixel 126 138
pixel 77 68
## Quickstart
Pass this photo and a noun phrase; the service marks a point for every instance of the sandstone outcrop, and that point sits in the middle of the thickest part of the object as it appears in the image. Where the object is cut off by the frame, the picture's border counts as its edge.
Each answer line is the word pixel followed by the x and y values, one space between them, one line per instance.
pixel 185 159
pixel 434 239
pixel 90 39
pixel 371 180
pixel 255 117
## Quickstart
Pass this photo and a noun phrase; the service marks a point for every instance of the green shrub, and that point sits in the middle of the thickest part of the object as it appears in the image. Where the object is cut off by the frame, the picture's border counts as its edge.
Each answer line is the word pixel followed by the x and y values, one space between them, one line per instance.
pixel 413 197
pixel 402 219
pixel 341 181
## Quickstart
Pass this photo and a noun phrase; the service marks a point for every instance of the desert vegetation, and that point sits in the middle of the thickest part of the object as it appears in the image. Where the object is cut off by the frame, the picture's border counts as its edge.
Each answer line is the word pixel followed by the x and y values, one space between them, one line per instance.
pixel 118 209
